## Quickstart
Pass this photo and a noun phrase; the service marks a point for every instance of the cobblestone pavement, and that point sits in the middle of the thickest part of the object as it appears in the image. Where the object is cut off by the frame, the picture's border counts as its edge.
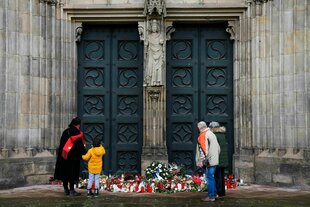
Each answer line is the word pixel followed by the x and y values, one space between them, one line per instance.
pixel 253 195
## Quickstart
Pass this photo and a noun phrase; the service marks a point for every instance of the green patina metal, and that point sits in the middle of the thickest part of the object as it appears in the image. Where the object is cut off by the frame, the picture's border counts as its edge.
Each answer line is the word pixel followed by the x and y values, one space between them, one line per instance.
pixel 110 60
pixel 199 87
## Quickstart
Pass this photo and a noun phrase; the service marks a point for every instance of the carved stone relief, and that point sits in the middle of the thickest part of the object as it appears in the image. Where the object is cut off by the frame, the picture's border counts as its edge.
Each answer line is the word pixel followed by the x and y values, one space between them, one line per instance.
pixel 154 95
pixel 233 29
pixel 141 30
pixel 78 33
pixel 169 30
pixel 155 6
pixel 154 43
pixel 154 32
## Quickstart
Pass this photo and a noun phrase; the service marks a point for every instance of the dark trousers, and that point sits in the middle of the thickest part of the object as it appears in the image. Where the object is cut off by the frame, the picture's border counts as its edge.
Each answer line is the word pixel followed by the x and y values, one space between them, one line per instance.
pixel 220 182
pixel 66 182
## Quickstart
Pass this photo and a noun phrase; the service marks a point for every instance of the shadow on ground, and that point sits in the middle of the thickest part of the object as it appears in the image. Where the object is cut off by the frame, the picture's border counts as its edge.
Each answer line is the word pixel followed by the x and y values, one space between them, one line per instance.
pixel 249 196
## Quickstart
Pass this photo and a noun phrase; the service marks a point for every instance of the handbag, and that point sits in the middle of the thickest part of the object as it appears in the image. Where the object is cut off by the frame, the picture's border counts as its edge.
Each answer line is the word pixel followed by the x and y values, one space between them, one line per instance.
pixel 69 144
pixel 66 149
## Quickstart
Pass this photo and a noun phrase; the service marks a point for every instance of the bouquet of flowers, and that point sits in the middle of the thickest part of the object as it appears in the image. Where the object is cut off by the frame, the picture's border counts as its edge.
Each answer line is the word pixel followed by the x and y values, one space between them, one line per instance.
pixel 176 170
pixel 198 183
pixel 231 182
pixel 158 178
pixel 157 170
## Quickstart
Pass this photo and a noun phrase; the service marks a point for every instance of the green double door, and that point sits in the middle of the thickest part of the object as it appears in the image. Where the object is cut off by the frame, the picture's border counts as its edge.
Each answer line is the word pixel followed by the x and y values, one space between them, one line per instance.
pixel 199 87
pixel 110 100
pixel 110 91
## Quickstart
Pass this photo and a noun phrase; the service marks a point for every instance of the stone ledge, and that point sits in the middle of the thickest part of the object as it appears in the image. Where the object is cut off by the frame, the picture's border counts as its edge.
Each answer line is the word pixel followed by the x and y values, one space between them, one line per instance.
pixel 283 153
pixel 280 178
pixel 22 152
pixel 25 171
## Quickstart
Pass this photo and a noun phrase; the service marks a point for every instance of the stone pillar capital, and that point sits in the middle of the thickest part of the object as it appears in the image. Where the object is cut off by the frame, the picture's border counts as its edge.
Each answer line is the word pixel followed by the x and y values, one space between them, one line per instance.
pixel 260 1
pixel 257 5
pixel 169 30
pixel 78 33
pixel 233 29
pixel 51 2
pixel 142 30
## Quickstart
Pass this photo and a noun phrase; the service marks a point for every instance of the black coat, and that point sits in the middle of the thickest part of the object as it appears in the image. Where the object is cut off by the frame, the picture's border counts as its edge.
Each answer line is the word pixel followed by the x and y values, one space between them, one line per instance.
pixel 69 169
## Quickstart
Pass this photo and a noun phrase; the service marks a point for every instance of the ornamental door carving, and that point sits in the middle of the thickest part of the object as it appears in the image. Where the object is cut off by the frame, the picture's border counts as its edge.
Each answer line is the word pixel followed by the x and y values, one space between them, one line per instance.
pixel 199 87
pixel 110 93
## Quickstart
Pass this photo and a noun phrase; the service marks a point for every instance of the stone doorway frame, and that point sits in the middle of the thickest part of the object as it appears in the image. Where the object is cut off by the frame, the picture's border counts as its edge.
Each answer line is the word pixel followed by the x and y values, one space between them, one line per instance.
pixel 239 22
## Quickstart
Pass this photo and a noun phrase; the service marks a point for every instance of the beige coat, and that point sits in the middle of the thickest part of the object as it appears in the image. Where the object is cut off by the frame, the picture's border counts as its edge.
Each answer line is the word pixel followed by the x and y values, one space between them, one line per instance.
pixel 212 147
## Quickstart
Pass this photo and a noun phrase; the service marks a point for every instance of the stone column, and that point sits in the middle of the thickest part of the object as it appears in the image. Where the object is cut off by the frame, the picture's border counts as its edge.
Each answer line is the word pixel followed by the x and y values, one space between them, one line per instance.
pixel 3 88
pixel 241 31
pixel 54 81
pixel 154 143
pixel 154 31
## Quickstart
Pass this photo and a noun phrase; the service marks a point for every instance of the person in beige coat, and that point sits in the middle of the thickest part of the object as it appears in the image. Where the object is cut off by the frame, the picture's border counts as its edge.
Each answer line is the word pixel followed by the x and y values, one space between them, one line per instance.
pixel 209 149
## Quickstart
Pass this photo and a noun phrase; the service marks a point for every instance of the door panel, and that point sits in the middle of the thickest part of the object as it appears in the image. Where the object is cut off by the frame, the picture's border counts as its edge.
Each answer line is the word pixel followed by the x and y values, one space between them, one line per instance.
pixel 127 100
pixel 182 99
pixel 199 87
pixel 109 93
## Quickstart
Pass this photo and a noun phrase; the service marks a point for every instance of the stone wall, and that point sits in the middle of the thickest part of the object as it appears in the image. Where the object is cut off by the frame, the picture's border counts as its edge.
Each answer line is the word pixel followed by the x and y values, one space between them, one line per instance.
pixel 37 88
pixel 25 171
pixel 280 75
pixel 38 76
pixel 272 113
pixel 271 78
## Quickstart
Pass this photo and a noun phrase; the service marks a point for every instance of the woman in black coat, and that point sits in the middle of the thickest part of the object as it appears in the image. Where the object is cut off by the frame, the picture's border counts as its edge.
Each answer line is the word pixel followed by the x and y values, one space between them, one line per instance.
pixel 68 169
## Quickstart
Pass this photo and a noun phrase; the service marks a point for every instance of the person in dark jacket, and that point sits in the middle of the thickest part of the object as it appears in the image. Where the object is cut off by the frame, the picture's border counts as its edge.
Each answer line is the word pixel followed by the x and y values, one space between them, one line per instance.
pixel 67 166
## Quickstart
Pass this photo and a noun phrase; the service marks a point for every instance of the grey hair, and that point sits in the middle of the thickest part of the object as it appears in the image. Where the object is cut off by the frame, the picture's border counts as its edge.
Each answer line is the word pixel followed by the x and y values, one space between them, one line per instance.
pixel 214 124
pixel 202 125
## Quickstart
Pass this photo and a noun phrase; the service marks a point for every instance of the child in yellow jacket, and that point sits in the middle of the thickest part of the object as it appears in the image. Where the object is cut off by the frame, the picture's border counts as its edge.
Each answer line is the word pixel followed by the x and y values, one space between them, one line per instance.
pixel 94 158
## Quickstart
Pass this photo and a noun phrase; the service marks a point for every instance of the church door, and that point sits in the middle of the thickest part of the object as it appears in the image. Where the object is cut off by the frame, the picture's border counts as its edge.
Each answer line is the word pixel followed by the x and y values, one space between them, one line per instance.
pixel 199 87
pixel 110 68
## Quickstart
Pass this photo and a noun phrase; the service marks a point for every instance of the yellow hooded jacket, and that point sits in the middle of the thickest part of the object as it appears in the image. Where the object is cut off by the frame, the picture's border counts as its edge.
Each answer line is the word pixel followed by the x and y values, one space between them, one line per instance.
pixel 94 158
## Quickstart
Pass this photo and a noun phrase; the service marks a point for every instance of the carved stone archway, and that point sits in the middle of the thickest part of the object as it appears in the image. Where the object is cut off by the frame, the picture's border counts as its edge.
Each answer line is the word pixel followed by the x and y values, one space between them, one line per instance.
pixel 154 122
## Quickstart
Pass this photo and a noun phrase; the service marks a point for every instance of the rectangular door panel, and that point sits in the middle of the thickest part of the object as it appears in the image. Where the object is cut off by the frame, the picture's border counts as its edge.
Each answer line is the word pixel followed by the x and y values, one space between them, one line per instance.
pixel 199 87
pixel 110 93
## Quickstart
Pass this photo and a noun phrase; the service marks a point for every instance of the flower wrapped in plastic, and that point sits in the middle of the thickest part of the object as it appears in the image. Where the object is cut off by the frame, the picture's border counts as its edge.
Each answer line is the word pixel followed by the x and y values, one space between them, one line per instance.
pixel 157 170
pixel 83 183
pixel 176 170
